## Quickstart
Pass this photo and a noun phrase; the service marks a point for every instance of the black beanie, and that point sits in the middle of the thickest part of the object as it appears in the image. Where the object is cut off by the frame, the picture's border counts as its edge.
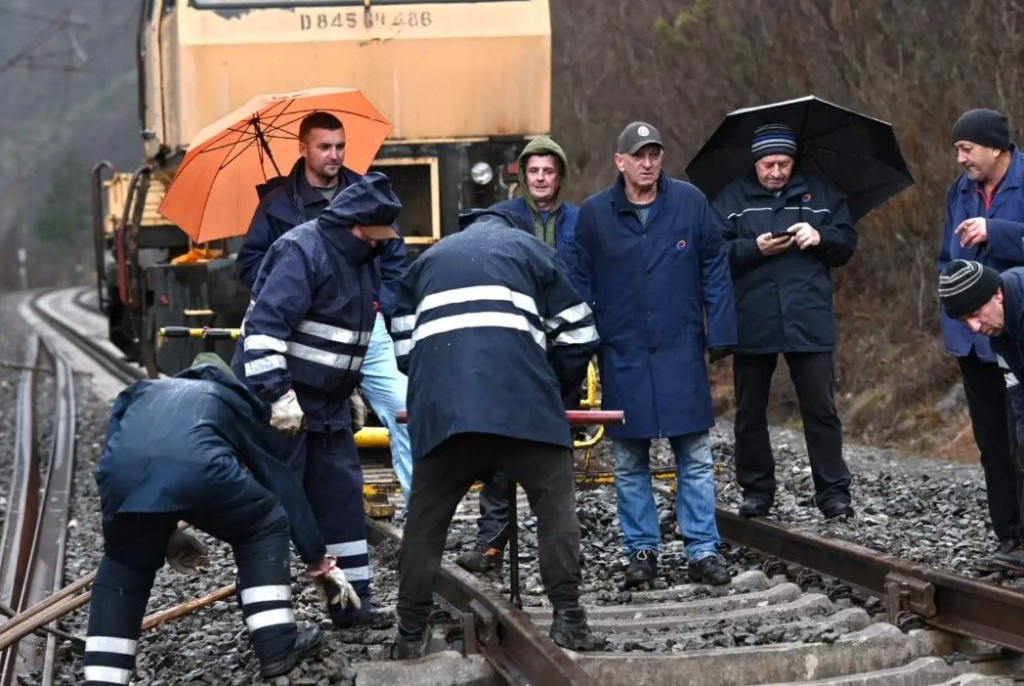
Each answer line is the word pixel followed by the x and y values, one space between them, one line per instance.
pixel 965 286
pixel 984 127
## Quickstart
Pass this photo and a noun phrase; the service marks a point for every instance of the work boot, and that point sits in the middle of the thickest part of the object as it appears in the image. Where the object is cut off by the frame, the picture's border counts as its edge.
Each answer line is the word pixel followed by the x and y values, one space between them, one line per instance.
pixel 569 630
pixel 989 564
pixel 367 618
pixel 643 568
pixel 837 508
pixel 481 561
pixel 709 570
pixel 411 643
pixel 307 642
pixel 1012 560
pixel 752 506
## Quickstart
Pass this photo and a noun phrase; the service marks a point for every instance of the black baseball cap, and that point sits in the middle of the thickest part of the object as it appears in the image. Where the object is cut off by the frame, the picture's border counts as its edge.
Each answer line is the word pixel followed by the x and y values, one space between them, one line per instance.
pixel 637 135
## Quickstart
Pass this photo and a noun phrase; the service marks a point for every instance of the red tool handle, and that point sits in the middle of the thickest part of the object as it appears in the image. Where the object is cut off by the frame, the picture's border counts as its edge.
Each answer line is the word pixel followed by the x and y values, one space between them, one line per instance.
pixel 575 417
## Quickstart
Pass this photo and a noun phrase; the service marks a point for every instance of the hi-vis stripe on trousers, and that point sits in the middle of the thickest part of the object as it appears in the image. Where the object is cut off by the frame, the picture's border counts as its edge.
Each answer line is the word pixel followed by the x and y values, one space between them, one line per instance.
pixel 328 466
pixel 255 525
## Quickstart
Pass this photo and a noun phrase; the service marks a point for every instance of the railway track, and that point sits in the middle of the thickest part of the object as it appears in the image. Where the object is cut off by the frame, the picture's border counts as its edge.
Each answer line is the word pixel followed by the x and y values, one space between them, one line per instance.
pixel 806 609
pixel 32 544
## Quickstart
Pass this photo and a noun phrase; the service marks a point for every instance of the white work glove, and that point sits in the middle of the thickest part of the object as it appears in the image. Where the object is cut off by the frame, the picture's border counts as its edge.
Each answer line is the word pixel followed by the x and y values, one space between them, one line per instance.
pixel 286 416
pixel 358 410
pixel 185 554
pixel 331 584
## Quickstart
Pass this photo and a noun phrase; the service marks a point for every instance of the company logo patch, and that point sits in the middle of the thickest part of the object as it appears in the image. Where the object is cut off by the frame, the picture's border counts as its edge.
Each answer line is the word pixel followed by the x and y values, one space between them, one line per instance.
pixel 807 197
pixel 644 131
pixel 681 245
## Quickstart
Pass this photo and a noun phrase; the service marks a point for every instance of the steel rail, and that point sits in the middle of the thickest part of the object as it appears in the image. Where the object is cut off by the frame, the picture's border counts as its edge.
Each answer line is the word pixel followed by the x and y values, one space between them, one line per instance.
pixel 120 369
pixel 51 537
pixel 944 601
pixel 495 628
pixel 23 502
pixel 32 561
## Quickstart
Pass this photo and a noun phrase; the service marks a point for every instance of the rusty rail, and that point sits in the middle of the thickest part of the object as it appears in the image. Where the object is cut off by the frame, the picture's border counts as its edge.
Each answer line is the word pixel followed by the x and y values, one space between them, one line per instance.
pixel 944 601
pixel 122 370
pixel 34 534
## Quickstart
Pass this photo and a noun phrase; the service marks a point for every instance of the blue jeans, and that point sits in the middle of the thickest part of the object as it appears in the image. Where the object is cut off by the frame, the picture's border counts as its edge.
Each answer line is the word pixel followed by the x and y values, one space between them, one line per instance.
pixel 695 494
pixel 385 389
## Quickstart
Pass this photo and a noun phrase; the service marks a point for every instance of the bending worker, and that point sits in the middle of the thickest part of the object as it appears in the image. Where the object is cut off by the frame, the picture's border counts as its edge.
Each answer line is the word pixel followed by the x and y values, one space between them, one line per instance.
pixel 992 304
pixel 474 323
pixel 542 210
pixel 303 341
pixel 176 449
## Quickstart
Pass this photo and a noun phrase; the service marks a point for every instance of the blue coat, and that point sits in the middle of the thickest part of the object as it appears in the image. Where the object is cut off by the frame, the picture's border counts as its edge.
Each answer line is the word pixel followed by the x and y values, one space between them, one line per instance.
pixel 492 335
pixel 652 288
pixel 1004 249
pixel 784 302
pixel 278 213
pixel 565 223
pixel 166 436
pixel 1011 344
pixel 311 316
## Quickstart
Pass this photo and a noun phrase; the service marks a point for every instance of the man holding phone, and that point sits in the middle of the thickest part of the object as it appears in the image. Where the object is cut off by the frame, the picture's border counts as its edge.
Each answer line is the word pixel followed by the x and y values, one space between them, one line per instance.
pixel 785 229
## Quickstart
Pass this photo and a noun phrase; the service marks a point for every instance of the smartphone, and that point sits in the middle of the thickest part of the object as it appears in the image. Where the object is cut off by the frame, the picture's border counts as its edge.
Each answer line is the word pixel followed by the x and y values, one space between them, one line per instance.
pixel 781 234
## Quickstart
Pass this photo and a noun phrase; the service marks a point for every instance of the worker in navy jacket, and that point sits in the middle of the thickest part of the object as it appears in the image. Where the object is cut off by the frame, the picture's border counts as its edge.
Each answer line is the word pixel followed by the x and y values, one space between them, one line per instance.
pixel 303 340
pixel 650 260
pixel 991 304
pixel 317 176
pixel 541 209
pixel 493 336
pixel 195 447
pixel 786 229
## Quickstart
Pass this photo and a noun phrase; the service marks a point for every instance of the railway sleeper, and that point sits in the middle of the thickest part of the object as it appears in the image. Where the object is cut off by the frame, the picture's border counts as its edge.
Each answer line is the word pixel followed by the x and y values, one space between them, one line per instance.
pixel 876 655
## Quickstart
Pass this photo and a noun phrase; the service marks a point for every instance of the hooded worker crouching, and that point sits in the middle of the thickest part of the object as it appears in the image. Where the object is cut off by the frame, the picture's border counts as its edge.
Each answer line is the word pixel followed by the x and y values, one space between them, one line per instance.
pixel 196 448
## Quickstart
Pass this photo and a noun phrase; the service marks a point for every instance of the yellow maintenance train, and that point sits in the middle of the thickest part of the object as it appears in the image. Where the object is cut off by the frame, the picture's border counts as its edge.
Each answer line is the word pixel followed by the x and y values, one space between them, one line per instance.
pixel 464 83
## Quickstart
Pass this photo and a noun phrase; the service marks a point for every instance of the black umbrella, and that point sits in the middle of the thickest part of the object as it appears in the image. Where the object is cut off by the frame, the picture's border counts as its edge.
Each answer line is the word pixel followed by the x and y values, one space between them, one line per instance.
pixel 858 153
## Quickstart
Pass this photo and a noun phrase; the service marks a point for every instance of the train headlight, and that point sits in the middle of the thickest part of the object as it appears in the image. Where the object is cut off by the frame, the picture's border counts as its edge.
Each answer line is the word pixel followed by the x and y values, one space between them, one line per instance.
pixel 481 173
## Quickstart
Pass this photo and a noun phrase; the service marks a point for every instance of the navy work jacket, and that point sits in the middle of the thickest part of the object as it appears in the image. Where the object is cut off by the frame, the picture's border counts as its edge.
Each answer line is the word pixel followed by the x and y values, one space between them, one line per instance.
pixel 167 436
pixel 311 316
pixel 652 288
pixel 784 302
pixel 1010 345
pixel 492 335
pixel 1003 250
pixel 295 202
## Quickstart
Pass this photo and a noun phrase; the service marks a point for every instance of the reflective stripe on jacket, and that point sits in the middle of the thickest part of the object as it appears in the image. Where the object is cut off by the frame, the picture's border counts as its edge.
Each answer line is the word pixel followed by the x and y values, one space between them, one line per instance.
pixel 492 335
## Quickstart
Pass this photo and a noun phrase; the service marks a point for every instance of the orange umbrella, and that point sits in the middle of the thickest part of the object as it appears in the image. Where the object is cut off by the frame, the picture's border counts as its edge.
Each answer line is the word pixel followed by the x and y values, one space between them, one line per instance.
pixel 213 194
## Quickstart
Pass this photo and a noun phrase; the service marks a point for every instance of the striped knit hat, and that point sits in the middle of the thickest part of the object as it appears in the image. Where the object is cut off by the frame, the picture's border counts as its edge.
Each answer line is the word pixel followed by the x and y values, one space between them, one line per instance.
pixel 965 286
pixel 773 139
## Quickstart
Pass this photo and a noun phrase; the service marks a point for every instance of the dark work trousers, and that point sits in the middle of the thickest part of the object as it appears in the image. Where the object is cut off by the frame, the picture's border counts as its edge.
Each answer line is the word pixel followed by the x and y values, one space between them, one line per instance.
pixel 814 379
pixel 328 466
pixel 492 525
pixel 249 518
pixel 443 477
pixel 987 403
pixel 1015 401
